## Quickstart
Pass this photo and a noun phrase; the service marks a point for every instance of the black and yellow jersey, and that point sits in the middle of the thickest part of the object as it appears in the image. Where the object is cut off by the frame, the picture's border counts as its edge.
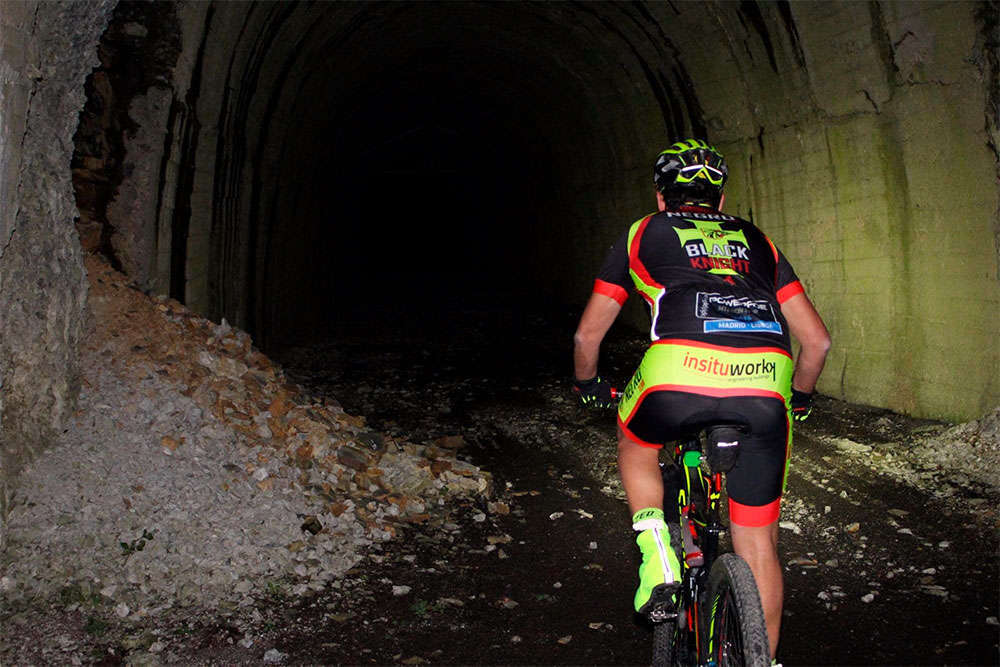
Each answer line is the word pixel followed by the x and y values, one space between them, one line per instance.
pixel 706 276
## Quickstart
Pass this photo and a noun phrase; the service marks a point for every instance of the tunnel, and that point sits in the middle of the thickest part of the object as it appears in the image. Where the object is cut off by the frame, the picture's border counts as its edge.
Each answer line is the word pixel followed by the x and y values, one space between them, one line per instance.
pixel 291 167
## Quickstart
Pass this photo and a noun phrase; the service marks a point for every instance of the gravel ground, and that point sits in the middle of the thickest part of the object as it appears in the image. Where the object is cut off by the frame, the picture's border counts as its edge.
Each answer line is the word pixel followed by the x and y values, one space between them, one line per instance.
pixel 194 477
pixel 203 508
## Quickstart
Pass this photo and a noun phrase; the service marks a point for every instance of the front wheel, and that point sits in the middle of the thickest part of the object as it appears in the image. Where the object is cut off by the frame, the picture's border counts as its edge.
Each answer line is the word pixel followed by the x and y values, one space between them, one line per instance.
pixel 664 643
pixel 737 634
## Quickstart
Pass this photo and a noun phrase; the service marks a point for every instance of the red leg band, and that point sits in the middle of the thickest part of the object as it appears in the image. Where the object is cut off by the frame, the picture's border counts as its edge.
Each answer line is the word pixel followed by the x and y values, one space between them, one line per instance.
pixel 753 516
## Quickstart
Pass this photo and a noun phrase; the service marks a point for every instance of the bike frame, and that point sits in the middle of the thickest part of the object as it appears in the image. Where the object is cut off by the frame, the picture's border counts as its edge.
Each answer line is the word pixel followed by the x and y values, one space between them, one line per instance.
pixel 697 502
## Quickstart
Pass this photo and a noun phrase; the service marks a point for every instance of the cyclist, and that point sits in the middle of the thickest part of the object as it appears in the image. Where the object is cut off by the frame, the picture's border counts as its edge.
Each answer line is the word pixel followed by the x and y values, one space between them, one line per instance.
pixel 723 301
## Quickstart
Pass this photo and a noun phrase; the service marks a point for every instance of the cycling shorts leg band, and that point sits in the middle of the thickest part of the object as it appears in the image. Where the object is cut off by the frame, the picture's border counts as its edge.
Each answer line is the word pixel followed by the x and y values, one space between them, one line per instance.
pixel 753 516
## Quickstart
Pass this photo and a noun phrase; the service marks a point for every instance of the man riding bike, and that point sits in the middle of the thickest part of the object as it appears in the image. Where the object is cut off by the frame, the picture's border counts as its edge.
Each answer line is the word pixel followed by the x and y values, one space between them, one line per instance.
pixel 723 300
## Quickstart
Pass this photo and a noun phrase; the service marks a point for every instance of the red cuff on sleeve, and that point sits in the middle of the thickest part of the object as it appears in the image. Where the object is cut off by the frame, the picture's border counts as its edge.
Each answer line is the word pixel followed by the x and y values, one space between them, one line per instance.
pixel 790 290
pixel 616 292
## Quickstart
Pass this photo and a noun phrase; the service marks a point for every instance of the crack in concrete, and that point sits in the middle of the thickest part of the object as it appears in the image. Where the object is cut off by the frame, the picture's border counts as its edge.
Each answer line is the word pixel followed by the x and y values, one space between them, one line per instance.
pixel 870 100
pixel 883 42
pixel 3 251
pixel 987 61
pixel 24 136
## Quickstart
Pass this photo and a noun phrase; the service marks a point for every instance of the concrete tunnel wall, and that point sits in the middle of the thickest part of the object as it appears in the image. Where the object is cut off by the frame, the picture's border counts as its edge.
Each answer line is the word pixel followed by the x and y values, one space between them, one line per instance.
pixel 861 137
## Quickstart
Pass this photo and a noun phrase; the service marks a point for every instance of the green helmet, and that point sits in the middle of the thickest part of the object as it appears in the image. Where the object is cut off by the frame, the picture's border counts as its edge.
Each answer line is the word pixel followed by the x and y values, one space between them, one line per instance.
pixel 691 169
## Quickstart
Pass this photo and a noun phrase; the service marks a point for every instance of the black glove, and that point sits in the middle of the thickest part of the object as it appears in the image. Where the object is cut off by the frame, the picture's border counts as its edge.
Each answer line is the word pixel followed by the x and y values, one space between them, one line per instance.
pixel 594 393
pixel 802 405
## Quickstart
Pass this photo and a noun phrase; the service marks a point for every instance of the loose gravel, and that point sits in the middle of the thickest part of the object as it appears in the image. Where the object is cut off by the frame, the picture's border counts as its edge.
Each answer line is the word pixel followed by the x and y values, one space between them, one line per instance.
pixel 195 477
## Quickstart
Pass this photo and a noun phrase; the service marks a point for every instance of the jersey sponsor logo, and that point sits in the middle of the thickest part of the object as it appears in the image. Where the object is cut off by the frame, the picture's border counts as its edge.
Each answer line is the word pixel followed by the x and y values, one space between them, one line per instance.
pixel 714 249
pixel 726 326
pixel 694 215
pixel 727 313
pixel 634 387
pixel 721 265
pixel 712 365
pixel 716 305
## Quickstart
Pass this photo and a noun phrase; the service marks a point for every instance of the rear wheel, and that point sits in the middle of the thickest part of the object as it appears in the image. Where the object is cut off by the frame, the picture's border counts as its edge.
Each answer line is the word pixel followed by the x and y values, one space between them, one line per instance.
pixel 737 631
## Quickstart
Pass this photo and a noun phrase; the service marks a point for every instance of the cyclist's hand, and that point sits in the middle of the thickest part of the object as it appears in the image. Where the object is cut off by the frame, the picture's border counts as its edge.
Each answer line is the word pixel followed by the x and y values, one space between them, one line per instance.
pixel 594 393
pixel 802 405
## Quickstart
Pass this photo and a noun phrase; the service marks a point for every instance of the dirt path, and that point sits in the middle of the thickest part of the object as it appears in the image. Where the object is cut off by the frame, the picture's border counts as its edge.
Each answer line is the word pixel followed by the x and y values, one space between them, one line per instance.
pixel 889 557
pixel 877 571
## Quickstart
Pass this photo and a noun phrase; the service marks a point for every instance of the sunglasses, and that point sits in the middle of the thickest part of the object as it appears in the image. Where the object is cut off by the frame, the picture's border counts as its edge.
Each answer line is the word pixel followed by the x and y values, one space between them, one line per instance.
pixel 711 173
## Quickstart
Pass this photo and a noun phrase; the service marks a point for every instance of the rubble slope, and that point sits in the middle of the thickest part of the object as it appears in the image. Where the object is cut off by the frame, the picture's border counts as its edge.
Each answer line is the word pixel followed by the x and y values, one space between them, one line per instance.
pixel 195 474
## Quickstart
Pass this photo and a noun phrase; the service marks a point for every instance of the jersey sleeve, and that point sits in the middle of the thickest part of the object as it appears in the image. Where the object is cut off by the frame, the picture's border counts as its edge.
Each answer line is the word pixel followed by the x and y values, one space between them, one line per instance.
pixel 613 279
pixel 787 284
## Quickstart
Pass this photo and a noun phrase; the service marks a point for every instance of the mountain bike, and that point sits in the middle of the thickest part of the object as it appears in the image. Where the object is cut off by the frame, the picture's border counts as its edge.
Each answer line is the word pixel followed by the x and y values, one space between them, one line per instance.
pixel 718 620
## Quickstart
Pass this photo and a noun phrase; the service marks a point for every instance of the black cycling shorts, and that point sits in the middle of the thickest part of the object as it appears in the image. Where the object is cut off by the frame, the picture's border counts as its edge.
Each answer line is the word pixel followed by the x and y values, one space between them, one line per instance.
pixel 665 402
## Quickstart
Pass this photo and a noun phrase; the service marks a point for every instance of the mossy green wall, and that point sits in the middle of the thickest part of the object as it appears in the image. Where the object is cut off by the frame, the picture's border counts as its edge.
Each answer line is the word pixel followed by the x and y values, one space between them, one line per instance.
pixel 889 213
pixel 858 138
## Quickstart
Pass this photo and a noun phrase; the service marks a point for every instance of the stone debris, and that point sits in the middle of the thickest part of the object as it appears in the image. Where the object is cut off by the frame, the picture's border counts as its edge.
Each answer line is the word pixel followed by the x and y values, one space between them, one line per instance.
pixel 274 657
pixel 565 640
pixel 935 590
pixel 196 474
pixel 802 561
pixel 498 507
pixel 790 525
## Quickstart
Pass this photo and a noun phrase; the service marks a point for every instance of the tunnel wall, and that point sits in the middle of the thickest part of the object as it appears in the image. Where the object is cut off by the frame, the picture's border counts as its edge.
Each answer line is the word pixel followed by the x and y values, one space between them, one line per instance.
pixel 873 167
pixel 860 137
pixel 842 121
pixel 46 51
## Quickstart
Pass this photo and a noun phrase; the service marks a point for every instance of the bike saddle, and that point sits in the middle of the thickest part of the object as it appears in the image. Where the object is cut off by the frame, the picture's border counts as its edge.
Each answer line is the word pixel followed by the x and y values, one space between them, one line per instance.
pixel 722 445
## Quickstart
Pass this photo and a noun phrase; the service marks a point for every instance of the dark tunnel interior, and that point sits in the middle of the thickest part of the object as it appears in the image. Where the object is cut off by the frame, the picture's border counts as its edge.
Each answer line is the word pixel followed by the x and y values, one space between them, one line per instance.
pixel 431 190
pixel 382 163
pixel 436 179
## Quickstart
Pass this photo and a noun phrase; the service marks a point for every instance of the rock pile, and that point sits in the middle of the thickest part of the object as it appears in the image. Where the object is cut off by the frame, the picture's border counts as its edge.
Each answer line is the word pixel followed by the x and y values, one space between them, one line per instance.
pixel 196 474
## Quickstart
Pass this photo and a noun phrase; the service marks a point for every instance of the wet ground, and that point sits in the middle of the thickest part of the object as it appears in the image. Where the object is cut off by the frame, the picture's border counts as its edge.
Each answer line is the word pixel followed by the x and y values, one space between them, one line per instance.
pixel 877 571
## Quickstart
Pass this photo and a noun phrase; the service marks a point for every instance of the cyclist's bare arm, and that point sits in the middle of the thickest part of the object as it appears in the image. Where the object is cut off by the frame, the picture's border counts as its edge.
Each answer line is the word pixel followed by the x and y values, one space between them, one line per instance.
pixel 807 327
pixel 597 318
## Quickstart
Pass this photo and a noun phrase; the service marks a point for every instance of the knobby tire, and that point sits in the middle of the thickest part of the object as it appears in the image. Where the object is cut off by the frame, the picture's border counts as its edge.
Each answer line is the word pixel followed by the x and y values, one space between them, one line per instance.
pixel 738 633
pixel 664 635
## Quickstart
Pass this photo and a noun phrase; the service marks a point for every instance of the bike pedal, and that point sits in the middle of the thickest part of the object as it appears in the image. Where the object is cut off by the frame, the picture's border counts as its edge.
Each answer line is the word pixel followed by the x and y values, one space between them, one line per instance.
pixel 661 605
